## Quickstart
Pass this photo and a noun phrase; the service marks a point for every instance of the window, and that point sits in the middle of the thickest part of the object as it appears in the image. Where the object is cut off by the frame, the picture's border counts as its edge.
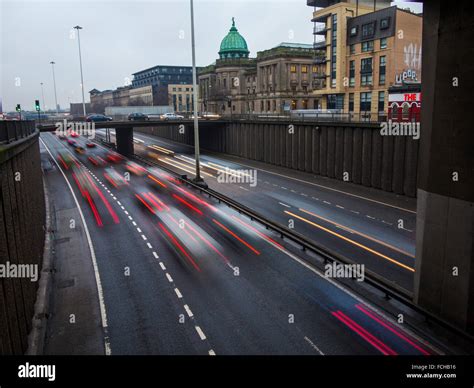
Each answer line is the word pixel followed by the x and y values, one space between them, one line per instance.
pixel 352 48
pixel 261 106
pixel 354 31
pixel 368 46
pixel 351 102
pixel 352 73
pixel 383 43
pixel 293 68
pixel 268 105
pixel 405 111
pixel 315 69
pixel 304 69
pixel 335 101
pixel 365 102
pixel 368 30
pixel 366 71
pixel 382 67
pixel 381 104
pixel 385 23
pixel 225 82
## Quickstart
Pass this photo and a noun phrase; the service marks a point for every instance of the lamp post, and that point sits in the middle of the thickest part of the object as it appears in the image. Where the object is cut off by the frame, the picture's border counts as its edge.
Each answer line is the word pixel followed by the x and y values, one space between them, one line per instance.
pixel 80 65
pixel 54 83
pixel 42 95
pixel 197 178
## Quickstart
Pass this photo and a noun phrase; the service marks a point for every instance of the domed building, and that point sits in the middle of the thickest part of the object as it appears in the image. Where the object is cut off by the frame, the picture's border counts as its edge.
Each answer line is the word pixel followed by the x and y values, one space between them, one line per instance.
pixel 276 80
pixel 233 45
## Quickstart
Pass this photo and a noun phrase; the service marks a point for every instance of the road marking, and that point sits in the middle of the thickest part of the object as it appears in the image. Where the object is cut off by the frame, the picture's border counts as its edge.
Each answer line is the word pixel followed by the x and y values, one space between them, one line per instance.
pixel 130 218
pixel 139 230
pixel 212 353
pixel 178 293
pixel 304 195
pixel 353 242
pixel 386 222
pixel 313 345
pixel 284 204
pixel 156 255
pixel 340 207
pixel 327 203
pixel 243 188
pixel 353 211
pixel 284 188
pixel 200 332
pixel 119 203
pixel 126 212
pixel 100 291
pixel 317 199
pixel 188 311
pixel 134 223
pixel 170 279
pixel 149 245
pixel 372 218
pixel 144 237
pixel 162 266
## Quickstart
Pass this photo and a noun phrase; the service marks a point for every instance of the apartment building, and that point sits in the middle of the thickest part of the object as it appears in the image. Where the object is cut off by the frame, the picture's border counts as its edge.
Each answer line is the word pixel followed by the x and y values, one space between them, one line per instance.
pixel 180 97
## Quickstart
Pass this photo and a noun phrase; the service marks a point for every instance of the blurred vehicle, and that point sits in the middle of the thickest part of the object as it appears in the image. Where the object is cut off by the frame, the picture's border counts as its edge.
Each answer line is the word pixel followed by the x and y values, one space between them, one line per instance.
pixel 114 157
pixel 97 161
pixel 135 168
pixel 66 159
pixel 114 177
pixel 74 134
pixel 89 144
pixel 210 116
pixel 61 137
pixel 80 150
pixel 150 201
pixel 171 116
pixel 138 116
pixel 98 118
pixel 71 142
pixel 192 117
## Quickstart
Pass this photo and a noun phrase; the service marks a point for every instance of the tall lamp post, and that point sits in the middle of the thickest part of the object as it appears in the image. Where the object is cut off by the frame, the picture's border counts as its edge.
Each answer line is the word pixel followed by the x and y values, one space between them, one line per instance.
pixel 197 178
pixel 42 95
pixel 80 65
pixel 54 83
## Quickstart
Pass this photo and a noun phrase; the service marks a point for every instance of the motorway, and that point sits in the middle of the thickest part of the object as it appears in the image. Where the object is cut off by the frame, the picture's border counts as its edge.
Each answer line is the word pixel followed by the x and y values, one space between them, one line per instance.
pixel 178 273
pixel 363 225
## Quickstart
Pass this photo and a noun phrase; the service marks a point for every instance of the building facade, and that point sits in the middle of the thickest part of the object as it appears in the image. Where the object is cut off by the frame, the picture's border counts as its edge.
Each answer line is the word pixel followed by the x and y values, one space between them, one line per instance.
pixel 180 97
pixel 362 51
pixel 277 80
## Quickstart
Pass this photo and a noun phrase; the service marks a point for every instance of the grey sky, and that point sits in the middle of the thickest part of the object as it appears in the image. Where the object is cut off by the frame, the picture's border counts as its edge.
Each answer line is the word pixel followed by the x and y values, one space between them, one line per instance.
pixel 121 37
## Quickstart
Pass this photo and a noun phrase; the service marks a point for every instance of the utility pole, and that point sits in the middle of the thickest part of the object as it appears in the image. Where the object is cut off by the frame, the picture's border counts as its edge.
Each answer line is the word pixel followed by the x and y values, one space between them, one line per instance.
pixel 78 28
pixel 55 93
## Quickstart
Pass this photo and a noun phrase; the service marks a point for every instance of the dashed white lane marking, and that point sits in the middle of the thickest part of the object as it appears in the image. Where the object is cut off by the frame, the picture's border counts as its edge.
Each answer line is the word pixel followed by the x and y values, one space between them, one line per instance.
pixel 317 199
pixel 139 230
pixel 293 191
pixel 162 266
pixel 327 203
pixel 118 202
pixel 122 207
pixel 134 223
pixel 144 237
pixel 188 311
pixel 304 195
pixel 130 218
pixel 372 218
pixel 386 222
pixel 178 293
pixel 284 204
pixel 243 188
pixel 170 279
pixel 200 332
pixel 126 212
pixel 353 211
pixel 340 207
pixel 284 188
pixel 149 245
pixel 273 184
pixel 212 353
pixel 156 255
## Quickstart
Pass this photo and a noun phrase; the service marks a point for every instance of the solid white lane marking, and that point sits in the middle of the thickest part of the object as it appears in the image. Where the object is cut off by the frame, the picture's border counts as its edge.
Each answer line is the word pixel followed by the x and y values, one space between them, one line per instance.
pixel 100 291
pixel 200 332
pixel 188 311
pixel 170 279
pixel 178 293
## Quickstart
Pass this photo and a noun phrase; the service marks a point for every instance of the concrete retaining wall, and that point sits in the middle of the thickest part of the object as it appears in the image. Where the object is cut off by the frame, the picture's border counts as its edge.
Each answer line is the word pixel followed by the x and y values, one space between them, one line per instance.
pixel 22 216
pixel 388 163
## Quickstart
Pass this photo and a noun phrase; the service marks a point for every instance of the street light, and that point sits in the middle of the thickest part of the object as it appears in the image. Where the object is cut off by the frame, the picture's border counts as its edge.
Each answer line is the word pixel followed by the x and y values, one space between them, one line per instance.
pixel 80 65
pixel 42 95
pixel 54 83
pixel 197 178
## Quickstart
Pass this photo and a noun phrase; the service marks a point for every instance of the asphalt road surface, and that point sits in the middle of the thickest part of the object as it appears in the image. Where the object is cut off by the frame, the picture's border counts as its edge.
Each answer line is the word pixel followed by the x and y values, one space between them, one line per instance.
pixel 179 273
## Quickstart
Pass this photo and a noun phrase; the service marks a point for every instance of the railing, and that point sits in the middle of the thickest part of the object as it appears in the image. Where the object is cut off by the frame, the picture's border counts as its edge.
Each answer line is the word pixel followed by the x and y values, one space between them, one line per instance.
pixel 362 117
pixel 15 130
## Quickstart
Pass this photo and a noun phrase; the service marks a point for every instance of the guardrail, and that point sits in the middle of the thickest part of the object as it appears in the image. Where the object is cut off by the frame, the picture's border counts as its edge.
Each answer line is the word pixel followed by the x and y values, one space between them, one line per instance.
pixel 362 117
pixel 390 290
pixel 15 130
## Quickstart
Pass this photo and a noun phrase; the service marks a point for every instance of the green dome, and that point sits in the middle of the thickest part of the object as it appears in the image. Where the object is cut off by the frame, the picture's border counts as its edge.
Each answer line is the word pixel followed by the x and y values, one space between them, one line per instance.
pixel 233 45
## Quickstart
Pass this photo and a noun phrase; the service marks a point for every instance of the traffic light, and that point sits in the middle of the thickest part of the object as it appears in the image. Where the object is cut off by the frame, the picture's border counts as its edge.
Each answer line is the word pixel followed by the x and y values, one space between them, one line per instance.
pixel 18 107
pixel 37 105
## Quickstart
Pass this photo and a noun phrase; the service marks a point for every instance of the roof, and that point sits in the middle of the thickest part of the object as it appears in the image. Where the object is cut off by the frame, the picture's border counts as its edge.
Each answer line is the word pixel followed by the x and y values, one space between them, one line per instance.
pixel 295 45
pixel 233 42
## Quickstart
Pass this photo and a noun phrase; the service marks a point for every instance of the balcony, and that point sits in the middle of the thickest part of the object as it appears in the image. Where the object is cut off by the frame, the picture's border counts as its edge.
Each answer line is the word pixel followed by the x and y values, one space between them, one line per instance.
pixel 320 60
pixel 320 45
pixel 320 30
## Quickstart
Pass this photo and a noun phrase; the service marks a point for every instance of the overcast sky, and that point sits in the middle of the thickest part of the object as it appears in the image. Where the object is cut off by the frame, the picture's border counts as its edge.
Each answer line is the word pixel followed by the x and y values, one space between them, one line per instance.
pixel 120 37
